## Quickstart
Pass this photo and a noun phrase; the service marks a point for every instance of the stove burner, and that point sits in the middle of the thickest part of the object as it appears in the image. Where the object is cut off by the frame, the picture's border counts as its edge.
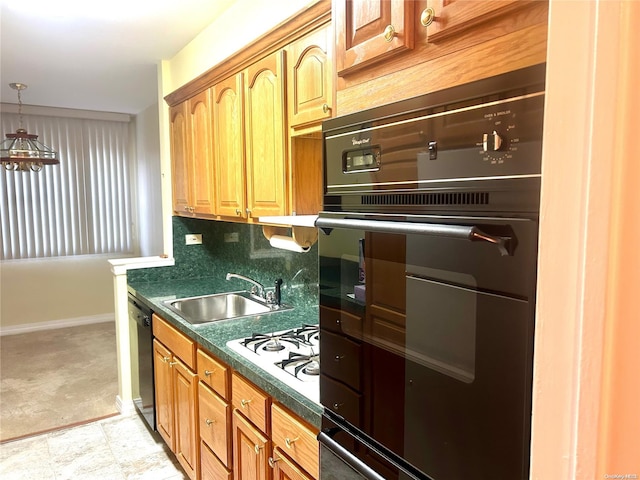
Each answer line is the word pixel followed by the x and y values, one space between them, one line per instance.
pixel 312 368
pixel 273 346
pixel 272 342
pixel 307 364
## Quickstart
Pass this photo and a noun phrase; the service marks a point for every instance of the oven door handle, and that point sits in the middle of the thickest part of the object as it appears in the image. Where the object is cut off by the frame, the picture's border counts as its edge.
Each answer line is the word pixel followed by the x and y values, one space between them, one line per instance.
pixel 463 232
pixel 347 457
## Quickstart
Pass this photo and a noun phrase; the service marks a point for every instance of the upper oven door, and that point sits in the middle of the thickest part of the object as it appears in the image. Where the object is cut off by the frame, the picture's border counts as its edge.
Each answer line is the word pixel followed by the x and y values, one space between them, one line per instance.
pixel 426 333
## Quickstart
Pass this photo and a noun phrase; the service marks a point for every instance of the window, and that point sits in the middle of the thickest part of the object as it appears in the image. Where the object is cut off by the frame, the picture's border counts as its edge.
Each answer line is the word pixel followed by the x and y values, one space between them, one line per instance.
pixel 83 205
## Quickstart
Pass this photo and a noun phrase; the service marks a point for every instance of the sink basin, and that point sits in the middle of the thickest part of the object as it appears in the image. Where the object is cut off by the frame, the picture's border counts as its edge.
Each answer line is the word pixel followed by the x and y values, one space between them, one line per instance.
pixel 222 306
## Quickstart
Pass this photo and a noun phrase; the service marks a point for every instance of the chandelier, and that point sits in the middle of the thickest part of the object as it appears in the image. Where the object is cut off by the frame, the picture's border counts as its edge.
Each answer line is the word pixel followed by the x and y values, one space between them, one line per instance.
pixel 21 151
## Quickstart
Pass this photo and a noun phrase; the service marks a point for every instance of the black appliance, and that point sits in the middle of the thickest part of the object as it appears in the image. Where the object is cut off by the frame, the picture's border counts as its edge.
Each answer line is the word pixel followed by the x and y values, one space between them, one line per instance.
pixel 142 355
pixel 427 283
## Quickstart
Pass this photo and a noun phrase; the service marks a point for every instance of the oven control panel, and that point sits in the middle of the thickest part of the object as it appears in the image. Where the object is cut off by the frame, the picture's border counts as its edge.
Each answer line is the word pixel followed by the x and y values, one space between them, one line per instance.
pixel 412 144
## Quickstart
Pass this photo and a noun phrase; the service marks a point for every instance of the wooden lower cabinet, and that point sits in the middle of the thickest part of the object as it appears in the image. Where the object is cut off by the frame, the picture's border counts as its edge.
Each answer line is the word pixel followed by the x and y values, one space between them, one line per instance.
pixel 220 425
pixel 176 407
pixel 210 467
pixel 285 469
pixel 251 450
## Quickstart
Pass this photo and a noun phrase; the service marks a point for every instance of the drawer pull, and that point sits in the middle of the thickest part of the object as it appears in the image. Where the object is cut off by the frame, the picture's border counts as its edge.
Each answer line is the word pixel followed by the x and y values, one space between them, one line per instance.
pixel 272 462
pixel 244 403
pixel 427 17
pixel 288 442
pixel 256 448
pixel 389 33
pixel 208 373
pixel 208 422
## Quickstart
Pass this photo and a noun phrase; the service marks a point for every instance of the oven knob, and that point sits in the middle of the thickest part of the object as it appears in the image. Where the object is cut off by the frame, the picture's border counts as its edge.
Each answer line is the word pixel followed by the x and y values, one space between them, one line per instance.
pixel 491 142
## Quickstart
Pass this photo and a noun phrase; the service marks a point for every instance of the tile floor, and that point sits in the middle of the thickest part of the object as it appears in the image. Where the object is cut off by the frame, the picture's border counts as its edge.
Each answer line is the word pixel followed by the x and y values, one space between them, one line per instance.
pixel 116 448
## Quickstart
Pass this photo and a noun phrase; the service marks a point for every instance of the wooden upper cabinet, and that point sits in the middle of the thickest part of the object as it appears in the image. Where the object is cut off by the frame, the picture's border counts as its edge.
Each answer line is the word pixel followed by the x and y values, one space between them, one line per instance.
pixel 368 31
pixel 456 16
pixel 192 156
pixel 310 78
pixel 228 135
pixel 179 157
pixel 265 137
pixel 200 147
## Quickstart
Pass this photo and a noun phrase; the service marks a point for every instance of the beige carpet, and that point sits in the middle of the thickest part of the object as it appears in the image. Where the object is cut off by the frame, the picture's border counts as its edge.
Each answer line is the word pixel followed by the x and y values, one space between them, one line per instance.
pixel 56 378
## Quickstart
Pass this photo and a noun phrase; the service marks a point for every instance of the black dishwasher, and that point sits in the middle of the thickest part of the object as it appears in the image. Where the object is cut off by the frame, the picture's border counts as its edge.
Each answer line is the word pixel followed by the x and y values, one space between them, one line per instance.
pixel 142 355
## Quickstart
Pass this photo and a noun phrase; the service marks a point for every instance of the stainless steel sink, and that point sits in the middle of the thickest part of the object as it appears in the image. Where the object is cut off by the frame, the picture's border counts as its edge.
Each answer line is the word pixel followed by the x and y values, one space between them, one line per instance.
pixel 222 306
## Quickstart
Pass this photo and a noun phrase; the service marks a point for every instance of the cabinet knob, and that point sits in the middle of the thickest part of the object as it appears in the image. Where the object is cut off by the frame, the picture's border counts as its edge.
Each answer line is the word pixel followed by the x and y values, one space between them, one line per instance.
pixel 208 373
pixel 427 16
pixel 336 406
pixel 208 422
pixel 244 402
pixel 288 442
pixel 256 448
pixel 166 359
pixel 338 358
pixel 325 108
pixel 171 364
pixel 248 210
pixel 272 462
pixel 238 212
pixel 389 33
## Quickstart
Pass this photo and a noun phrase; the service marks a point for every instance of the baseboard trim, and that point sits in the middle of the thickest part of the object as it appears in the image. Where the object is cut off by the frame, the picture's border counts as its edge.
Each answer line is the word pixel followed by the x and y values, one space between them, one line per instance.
pixel 69 322
pixel 125 407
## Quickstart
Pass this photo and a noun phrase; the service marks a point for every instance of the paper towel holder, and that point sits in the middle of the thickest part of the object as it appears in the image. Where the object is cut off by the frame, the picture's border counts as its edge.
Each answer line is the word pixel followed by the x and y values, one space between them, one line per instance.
pixel 295 238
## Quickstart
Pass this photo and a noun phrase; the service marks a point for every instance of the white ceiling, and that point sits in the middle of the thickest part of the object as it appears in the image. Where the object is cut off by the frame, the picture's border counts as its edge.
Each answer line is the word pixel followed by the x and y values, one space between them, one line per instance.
pixel 71 56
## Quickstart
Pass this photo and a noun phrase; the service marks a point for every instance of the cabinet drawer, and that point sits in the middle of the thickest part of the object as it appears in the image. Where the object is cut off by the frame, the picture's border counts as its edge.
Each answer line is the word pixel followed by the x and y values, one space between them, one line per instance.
pixel 341 358
pixel 295 439
pixel 215 418
pixel 251 402
pixel 214 373
pixel 210 466
pixel 283 468
pixel 340 321
pixel 341 399
pixel 182 346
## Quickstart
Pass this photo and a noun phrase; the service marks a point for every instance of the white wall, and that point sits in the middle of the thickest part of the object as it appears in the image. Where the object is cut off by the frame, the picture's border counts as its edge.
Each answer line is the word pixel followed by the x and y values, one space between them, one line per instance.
pixel 147 183
pixel 61 291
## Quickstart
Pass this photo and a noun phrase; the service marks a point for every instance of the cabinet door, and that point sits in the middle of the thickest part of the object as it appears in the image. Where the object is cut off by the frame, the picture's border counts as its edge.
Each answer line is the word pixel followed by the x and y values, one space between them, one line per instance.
pixel 228 128
pixel 164 392
pixel 265 137
pixel 186 417
pixel 201 155
pixel 310 78
pixel 179 158
pixel 285 469
pixel 210 466
pixel 250 451
pixel 368 31
pixel 456 16
pixel 215 421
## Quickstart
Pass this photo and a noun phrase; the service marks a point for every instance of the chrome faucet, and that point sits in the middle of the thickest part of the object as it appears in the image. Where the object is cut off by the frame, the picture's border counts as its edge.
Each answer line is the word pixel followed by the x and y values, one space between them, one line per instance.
pixel 257 289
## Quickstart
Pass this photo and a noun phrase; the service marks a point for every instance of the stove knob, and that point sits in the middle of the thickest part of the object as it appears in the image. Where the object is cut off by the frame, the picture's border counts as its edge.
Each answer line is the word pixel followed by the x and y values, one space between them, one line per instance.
pixel 491 142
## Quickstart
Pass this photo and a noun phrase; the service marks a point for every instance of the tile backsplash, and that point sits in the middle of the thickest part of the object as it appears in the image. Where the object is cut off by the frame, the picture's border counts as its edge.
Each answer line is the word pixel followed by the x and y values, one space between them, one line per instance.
pixel 233 247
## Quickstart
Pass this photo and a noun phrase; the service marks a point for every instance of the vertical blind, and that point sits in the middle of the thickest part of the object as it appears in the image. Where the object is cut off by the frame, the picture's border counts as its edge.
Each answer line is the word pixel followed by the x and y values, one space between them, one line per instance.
pixel 83 205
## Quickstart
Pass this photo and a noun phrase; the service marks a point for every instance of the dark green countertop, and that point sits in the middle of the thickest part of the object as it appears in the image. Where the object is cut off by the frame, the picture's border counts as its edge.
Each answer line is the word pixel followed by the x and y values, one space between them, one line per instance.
pixel 214 336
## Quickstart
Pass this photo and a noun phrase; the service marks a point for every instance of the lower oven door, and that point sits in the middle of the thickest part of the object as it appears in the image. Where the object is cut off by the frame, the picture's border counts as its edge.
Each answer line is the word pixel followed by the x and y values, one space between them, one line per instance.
pixel 427 339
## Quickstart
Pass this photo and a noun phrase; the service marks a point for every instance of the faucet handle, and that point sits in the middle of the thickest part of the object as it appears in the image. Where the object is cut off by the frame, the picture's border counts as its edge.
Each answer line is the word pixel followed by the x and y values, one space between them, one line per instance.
pixel 278 292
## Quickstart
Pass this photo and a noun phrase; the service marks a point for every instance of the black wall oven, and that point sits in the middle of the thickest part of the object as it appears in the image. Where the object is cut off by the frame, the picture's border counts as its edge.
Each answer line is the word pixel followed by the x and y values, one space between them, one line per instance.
pixel 428 260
